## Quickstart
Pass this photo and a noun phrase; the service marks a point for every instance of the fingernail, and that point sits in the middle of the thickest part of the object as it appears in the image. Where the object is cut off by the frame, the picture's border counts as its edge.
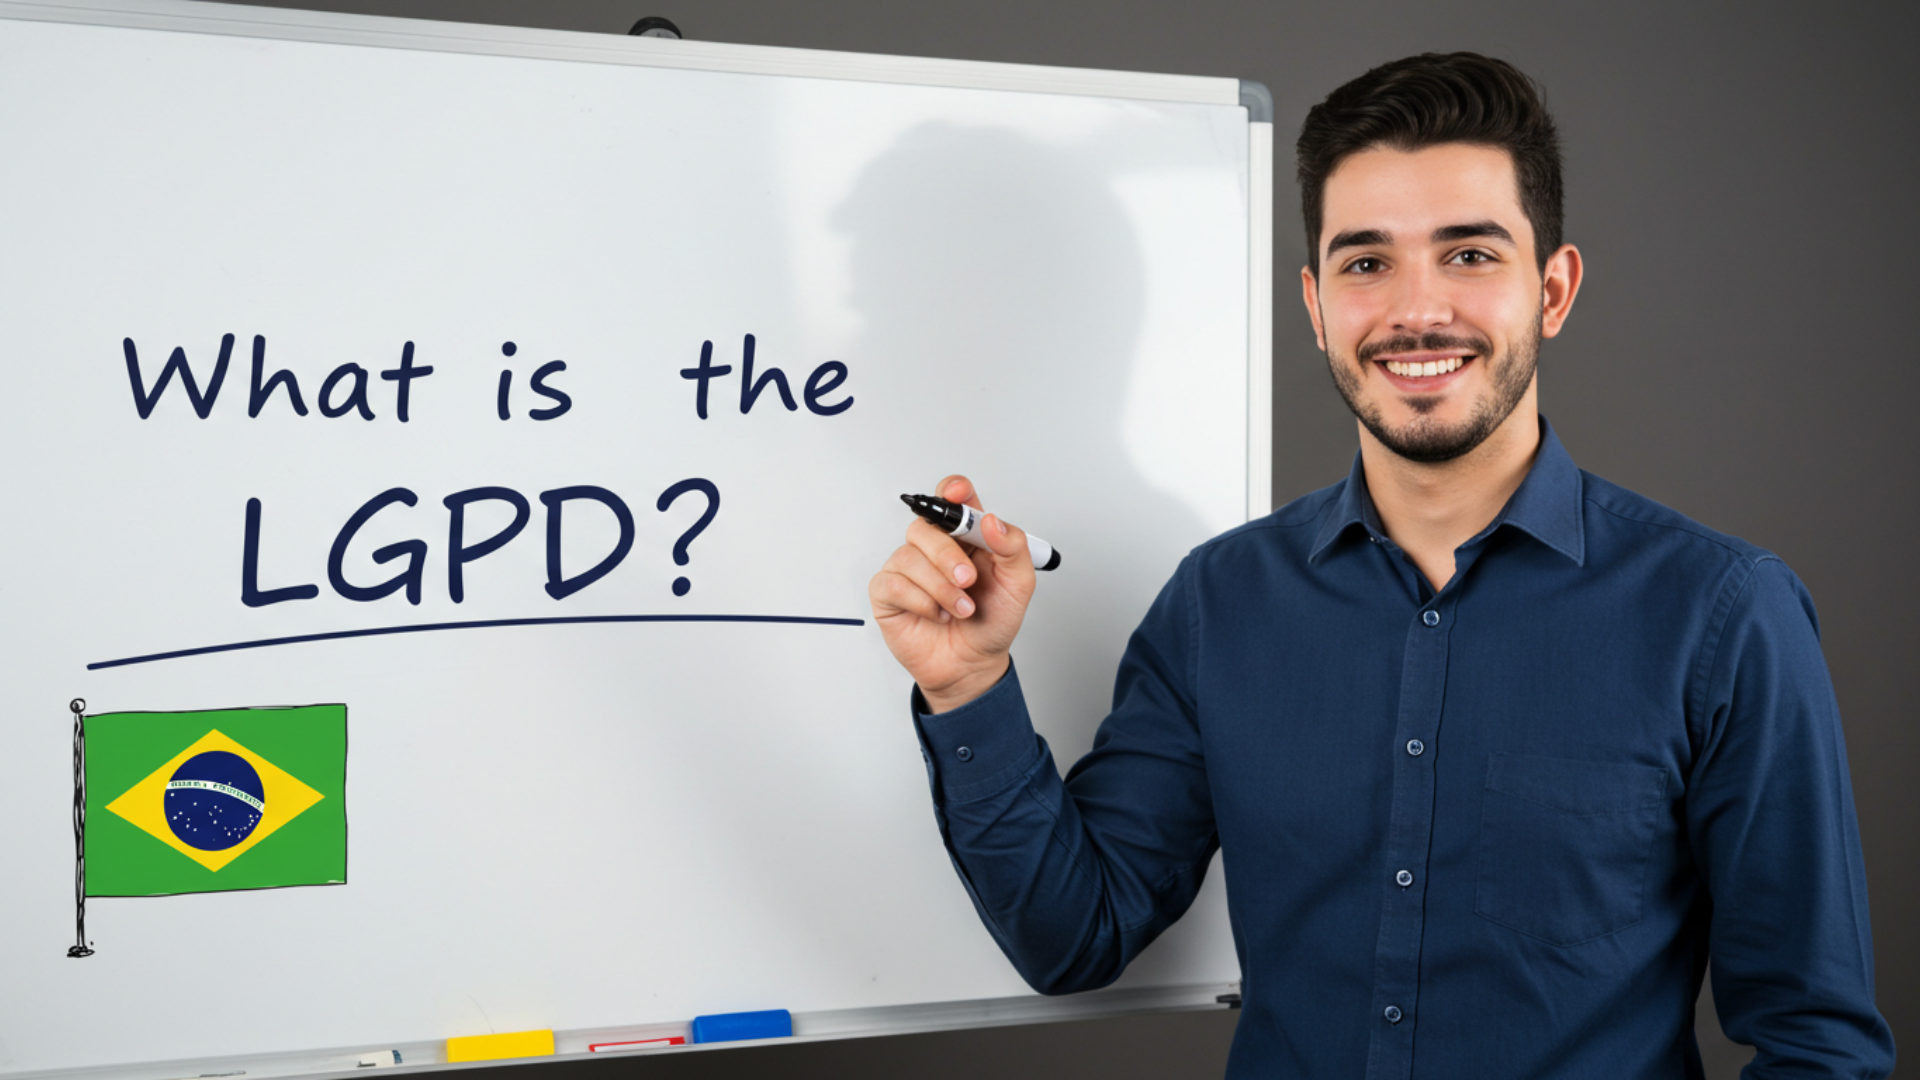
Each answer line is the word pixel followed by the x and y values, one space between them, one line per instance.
pixel 944 616
pixel 961 572
pixel 965 606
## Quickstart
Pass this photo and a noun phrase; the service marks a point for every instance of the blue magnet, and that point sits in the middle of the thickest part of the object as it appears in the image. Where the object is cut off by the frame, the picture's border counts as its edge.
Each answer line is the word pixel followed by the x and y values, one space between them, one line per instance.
pixel 732 1027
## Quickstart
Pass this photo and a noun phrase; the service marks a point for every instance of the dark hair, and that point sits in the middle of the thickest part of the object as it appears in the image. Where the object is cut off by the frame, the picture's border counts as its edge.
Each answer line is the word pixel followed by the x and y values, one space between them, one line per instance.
pixel 1427 100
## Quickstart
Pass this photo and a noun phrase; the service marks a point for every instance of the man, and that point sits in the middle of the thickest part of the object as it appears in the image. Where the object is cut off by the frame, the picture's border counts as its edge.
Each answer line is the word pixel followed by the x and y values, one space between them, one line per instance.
pixel 1500 754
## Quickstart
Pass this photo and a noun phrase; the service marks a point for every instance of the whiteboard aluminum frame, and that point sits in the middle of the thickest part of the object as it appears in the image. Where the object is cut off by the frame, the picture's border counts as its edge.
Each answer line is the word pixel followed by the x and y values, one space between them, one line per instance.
pixel 195 16
pixel 1260 319
pixel 380 31
pixel 339 1063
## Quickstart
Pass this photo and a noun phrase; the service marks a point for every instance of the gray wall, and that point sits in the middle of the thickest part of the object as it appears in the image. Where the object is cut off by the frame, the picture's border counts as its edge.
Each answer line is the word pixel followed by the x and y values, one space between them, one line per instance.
pixel 1742 180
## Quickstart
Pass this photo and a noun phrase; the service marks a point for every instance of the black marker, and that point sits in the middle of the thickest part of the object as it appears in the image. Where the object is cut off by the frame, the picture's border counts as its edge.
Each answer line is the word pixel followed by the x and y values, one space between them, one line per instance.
pixel 963 523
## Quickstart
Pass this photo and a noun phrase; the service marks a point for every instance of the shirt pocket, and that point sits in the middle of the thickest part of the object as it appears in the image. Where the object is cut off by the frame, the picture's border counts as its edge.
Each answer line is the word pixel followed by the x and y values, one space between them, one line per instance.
pixel 1564 845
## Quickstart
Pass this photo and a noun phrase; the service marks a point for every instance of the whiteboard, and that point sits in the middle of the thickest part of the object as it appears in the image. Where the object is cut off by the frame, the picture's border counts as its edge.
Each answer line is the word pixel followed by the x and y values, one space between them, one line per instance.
pixel 629 805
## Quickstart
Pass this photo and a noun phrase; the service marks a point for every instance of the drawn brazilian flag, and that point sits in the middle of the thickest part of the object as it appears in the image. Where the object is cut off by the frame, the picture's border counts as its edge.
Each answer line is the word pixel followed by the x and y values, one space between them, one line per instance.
pixel 215 800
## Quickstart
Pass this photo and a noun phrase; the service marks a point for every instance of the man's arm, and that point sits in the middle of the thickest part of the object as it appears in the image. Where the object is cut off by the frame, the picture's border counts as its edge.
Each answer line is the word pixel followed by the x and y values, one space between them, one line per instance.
pixel 1072 878
pixel 1771 819
pixel 1075 878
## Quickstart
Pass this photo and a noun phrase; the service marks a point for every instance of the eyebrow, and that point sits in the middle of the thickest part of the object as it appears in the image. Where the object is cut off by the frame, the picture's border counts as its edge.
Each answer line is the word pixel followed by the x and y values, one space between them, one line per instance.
pixel 1445 234
pixel 1358 238
pixel 1472 231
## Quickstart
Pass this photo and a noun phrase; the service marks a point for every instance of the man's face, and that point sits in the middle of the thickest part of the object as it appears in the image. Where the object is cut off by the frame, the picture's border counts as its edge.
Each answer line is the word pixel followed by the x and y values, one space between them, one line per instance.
pixel 1429 302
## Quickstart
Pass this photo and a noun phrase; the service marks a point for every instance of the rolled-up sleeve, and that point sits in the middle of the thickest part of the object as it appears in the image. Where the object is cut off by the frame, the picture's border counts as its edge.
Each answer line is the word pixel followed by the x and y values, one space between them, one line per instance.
pixel 1771 820
pixel 1075 877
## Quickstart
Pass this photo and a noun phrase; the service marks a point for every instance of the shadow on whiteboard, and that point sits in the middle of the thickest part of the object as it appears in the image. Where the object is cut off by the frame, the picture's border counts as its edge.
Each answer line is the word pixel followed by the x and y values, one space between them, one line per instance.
pixel 953 223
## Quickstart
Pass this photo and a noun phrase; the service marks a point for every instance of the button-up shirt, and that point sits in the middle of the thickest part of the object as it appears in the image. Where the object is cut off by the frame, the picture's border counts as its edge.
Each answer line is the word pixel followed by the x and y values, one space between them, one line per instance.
pixel 1494 831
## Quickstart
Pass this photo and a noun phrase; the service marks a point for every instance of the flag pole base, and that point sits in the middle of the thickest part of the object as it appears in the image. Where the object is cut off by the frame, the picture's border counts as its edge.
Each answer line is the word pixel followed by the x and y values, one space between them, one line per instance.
pixel 79 951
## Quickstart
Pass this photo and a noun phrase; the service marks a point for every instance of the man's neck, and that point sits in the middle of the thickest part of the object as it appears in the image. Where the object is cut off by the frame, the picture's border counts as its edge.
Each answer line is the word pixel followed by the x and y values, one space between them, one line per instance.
pixel 1431 509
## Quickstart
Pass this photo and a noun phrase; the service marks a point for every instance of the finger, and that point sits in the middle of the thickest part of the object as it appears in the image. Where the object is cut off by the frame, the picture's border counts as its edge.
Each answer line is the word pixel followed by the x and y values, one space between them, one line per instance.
pixel 893 594
pixel 959 489
pixel 933 579
pixel 943 551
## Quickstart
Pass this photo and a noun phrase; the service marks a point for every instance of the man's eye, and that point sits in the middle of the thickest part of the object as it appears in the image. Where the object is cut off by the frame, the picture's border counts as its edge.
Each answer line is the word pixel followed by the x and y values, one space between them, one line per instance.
pixel 1473 258
pixel 1365 265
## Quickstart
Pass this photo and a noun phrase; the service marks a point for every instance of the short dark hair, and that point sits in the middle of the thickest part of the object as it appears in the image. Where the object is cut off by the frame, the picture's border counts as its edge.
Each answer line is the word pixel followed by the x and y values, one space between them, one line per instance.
pixel 1428 100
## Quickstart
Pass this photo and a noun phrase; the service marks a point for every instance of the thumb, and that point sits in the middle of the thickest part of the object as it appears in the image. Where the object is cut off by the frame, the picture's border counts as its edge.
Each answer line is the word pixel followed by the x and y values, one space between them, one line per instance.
pixel 1007 543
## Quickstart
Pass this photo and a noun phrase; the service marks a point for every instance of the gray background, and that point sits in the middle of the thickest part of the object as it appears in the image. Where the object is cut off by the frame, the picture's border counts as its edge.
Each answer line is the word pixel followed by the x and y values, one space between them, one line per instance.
pixel 1741 180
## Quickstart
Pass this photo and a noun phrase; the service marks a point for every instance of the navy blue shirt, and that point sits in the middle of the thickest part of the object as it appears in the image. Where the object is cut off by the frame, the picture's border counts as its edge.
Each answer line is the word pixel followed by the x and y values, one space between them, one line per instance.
pixel 1495 831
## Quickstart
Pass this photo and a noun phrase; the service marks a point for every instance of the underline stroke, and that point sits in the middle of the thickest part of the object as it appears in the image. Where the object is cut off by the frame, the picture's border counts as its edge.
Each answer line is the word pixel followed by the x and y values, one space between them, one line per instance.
pixel 476 624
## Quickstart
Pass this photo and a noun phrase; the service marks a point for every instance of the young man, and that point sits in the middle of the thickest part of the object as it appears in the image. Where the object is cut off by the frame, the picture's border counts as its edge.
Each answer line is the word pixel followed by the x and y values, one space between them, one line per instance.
pixel 1501 754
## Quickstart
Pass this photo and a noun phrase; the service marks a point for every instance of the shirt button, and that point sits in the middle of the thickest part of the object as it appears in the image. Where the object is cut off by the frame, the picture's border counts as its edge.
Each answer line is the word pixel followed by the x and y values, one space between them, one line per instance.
pixel 965 753
pixel 1404 878
pixel 1392 1014
pixel 1431 618
pixel 1416 747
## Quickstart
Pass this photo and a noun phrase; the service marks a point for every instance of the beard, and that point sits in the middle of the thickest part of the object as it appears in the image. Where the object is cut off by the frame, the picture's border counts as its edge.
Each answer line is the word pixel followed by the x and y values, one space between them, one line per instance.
pixel 1423 438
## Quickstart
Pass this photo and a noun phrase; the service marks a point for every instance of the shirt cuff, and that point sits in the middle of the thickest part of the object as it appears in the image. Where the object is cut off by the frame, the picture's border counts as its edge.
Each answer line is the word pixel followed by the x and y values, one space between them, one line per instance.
pixel 980 748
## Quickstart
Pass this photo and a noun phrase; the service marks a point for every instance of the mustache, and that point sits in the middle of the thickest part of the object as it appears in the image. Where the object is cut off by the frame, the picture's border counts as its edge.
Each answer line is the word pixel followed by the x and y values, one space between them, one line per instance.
pixel 1430 342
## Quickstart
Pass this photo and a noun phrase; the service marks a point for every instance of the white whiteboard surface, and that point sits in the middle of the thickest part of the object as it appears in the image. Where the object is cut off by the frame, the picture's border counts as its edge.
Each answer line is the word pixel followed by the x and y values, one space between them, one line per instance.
pixel 594 825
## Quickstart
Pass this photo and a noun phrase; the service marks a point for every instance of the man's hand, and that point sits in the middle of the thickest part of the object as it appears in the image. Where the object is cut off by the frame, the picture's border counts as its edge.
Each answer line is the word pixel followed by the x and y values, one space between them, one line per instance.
pixel 950 612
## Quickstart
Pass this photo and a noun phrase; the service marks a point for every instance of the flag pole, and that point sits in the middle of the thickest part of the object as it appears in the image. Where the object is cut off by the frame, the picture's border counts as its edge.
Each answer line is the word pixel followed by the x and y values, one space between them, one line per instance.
pixel 78 706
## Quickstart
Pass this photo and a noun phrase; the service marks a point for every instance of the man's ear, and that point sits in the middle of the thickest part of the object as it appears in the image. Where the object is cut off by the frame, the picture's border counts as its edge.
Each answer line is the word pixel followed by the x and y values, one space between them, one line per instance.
pixel 1560 283
pixel 1310 295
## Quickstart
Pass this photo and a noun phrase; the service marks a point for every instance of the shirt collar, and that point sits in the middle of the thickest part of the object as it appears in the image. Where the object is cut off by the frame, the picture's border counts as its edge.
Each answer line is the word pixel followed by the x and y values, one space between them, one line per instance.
pixel 1547 506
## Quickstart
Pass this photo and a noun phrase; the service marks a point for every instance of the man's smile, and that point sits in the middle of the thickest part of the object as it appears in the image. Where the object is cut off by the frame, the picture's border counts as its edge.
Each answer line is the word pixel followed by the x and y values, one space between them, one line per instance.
pixel 1423 366
pixel 1423 372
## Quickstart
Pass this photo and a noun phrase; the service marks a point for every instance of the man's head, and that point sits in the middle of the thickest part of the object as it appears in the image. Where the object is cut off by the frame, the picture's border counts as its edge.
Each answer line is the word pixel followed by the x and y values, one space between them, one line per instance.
pixel 1431 188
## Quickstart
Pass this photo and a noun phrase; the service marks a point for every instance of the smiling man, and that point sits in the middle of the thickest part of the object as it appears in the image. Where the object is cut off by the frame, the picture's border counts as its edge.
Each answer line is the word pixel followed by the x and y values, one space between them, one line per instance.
pixel 1500 754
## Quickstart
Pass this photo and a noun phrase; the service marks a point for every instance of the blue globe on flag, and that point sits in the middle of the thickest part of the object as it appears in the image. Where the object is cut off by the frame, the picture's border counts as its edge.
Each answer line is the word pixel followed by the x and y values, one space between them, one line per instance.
pixel 214 800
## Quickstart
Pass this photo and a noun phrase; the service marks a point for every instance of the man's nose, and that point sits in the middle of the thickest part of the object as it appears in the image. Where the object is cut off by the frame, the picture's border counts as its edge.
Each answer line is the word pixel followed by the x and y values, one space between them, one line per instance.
pixel 1420 301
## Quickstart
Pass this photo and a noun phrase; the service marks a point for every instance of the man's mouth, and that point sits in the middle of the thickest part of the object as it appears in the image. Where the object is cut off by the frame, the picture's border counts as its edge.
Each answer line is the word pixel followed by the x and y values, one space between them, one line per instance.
pixel 1420 369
